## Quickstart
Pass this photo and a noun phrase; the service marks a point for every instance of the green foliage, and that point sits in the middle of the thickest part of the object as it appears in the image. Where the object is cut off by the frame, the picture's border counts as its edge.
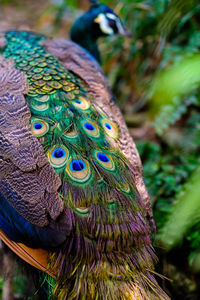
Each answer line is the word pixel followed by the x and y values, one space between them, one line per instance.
pixel 176 11
pixel 163 60
pixel 21 285
pixel 165 171
pixel 132 56
pixel 1 286
pixel 170 173
pixel 148 54
pixel 185 211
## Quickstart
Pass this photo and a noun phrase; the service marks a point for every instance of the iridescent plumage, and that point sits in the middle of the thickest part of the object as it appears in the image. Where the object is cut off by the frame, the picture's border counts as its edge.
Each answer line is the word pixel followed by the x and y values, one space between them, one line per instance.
pixel 67 184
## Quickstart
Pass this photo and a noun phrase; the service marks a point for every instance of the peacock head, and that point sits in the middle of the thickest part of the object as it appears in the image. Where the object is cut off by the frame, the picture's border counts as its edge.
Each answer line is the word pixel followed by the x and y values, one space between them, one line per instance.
pixel 106 22
pixel 100 20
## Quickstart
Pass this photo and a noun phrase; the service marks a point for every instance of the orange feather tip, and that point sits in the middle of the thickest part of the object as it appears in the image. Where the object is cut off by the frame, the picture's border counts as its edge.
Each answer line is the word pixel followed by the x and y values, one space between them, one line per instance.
pixel 38 258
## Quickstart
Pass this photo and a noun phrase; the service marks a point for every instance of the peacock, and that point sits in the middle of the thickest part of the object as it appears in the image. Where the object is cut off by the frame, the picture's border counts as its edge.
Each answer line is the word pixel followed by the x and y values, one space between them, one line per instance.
pixel 98 22
pixel 73 204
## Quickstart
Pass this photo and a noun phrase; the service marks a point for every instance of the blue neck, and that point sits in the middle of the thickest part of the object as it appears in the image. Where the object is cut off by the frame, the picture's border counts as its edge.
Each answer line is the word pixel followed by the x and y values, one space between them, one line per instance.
pixel 86 32
pixel 89 44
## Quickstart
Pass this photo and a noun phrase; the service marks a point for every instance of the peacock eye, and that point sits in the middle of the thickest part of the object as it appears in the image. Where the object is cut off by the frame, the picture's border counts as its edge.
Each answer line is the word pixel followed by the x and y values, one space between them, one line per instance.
pixel 78 169
pixel 77 165
pixel 58 156
pixel 104 160
pixel 81 103
pixel 111 23
pixel 110 128
pixel 40 107
pixel 78 101
pixel 39 128
pixel 91 128
pixel 103 157
pixel 58 153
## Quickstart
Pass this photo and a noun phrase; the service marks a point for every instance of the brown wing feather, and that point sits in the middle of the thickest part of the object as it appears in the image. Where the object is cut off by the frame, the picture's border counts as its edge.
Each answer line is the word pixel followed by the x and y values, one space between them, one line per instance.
pixel 24 168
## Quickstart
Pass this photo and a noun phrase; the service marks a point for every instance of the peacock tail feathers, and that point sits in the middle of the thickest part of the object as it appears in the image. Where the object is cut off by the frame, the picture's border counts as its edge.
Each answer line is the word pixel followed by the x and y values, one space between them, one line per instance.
pixel 107 253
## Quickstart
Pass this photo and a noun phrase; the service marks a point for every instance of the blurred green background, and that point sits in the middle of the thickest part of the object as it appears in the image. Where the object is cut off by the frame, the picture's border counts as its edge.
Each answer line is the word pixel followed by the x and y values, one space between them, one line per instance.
pixel 155 77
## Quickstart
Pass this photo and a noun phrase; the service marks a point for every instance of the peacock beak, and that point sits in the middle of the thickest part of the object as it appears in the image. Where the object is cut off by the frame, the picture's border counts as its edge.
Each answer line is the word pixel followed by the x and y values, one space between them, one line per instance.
pixel 125 32
pixel 122 29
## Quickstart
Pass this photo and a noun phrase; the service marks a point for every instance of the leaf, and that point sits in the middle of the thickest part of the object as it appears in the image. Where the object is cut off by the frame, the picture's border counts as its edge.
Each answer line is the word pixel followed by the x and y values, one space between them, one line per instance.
pixel 185 213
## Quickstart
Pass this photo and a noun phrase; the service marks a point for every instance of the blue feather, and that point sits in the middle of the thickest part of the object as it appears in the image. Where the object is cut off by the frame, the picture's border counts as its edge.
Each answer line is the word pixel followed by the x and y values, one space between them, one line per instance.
pixel 20 230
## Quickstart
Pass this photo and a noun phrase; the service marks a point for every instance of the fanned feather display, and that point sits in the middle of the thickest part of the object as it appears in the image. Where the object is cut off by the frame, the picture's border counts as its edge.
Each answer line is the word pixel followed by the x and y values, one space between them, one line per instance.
pixel 91 203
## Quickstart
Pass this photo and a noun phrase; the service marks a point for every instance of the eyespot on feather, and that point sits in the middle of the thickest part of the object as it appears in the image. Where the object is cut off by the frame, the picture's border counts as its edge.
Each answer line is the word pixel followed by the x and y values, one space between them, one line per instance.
pixel 44 98
pixel 81 103
pixel 39 127
pixel 71 134
pixel 82 210
pixel 91 128
pixel 104 160
pixel 78 169
pixel 110 128
pixel 41 107
pixel 124 187
pixel 58 156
